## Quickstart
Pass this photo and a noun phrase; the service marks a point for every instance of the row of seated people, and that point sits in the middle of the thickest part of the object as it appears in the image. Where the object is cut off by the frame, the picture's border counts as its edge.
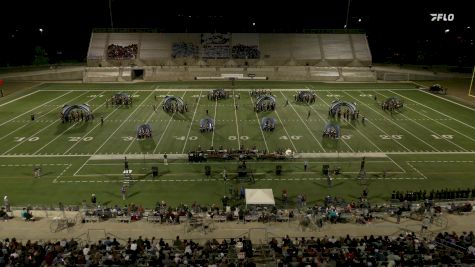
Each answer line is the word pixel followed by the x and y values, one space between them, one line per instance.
pixel 405 249
pixel 140 251
pixel 26 214
pixel 433 194
pixel 135 212
pixel 122 52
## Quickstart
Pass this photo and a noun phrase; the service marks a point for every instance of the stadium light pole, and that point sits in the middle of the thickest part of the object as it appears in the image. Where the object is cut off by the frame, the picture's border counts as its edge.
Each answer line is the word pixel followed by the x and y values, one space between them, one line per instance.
pixel 110 14
pixel 347 14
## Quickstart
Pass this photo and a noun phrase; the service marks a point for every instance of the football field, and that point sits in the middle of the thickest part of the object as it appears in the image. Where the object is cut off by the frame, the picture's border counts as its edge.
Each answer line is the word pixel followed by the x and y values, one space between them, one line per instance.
pixel 430 144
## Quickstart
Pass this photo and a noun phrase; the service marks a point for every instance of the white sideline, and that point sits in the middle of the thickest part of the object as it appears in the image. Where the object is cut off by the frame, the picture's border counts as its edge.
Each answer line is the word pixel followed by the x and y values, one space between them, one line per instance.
pixel 13 100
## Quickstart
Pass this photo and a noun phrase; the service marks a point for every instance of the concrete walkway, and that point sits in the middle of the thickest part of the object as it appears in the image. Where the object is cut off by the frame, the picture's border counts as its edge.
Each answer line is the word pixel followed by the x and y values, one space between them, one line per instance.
pixel 256 231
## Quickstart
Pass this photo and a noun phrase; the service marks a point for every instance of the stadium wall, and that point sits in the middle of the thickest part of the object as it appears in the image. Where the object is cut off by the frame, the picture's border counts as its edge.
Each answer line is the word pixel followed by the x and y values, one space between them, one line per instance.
pixel 227 50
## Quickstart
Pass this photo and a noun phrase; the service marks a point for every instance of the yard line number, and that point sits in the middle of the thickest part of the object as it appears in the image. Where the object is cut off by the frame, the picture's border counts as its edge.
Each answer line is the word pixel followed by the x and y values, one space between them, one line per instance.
pixel 293 137
pixel 78 138
pixel 442 136
pixel 29 139
pixel 390 137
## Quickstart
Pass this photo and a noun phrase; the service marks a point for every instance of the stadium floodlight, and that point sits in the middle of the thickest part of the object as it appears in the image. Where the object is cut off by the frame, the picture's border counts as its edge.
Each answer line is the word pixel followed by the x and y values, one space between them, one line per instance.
pixel 447 30
pixel 253 24
pixel 359 20
pixel 41 30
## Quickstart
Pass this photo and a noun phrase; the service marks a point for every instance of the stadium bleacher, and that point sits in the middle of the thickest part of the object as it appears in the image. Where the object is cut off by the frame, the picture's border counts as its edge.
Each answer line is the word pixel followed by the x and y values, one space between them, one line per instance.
pixel 282 56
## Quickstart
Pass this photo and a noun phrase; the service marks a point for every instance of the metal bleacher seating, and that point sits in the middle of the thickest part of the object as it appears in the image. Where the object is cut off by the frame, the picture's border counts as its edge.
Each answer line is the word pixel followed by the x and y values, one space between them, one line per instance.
pixel 123 218
pixel 91 218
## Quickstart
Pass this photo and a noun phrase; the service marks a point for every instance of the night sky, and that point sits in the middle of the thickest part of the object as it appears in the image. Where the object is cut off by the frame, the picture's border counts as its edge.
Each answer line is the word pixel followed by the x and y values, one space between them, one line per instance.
pixel 398 31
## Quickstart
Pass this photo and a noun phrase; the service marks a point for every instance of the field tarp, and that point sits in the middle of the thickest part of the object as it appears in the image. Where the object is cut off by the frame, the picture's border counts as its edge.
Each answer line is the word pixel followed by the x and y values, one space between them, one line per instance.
pixel 259 197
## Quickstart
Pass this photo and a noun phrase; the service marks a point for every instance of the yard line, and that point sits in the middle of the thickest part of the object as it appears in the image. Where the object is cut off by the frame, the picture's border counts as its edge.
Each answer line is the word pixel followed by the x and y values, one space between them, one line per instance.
pixel 381 130
pixel 304 124
pixel 77 142
pixel 434 110
pixel 191 123
pixel 44 128
pixel 130 115
pixel 148 119
pixel 18 98
pixel 404 129
pixel 259 125
pixel 97 125
pixel 438 123
pixel 362 134
pixel 214 121
pixel 29 111
pixel 410 165
pixel 168 124
pixel 295 148
pixel 237 125
pixel 323 119
pixel 453 102
pixel 61 134
pixel 24 125
pixel 310 131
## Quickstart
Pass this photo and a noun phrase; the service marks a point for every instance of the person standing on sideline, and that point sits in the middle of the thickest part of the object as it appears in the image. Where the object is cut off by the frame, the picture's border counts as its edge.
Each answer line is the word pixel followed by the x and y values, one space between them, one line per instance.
pixel 93 199
pixel 123 191
pixel 305 165
pixel 206 112
pixel 32 117
pixel 126 164
pixel 165 159
pixel 308 115
pixel 102 120
pixel 6 203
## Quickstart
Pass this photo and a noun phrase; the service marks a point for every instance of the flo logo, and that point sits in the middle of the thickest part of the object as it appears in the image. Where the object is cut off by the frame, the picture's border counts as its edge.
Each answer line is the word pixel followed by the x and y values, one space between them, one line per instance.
pixel 442 17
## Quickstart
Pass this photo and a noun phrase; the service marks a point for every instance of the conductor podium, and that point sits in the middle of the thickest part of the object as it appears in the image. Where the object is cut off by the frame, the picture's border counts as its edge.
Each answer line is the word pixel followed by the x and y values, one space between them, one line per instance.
pixel 242 169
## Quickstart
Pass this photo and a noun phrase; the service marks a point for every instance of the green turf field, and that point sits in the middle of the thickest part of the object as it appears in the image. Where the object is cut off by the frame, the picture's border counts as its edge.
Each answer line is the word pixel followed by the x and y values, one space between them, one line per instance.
pixel 429 145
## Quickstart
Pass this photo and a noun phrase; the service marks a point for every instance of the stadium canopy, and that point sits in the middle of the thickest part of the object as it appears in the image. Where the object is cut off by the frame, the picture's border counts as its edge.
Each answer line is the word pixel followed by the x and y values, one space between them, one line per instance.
pixel 259 197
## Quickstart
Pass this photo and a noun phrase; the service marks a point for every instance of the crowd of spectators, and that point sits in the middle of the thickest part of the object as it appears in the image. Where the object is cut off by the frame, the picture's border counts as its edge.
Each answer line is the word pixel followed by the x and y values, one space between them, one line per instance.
pixel 115 51
pixel 443 194
pixel 216 51
pixel 182 49
pixel 245 52
pixel 404 249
